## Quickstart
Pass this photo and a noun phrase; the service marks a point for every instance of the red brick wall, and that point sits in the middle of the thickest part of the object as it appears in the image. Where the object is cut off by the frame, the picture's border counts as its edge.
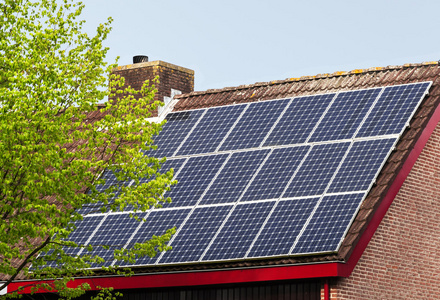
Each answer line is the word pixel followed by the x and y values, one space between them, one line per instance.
pixel 402 260
pixel 170 77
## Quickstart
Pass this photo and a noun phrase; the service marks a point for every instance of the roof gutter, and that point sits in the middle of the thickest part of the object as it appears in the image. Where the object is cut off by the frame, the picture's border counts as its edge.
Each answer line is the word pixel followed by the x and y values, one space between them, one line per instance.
pixel 317 270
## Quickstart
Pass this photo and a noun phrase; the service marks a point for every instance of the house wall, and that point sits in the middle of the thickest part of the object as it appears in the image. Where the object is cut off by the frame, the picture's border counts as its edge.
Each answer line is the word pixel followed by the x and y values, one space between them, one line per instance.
pixel 402 259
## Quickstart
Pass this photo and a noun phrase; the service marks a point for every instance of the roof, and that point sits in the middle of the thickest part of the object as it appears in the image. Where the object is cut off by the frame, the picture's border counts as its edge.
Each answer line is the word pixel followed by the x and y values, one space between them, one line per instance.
pixel 322 84
pixel 319 84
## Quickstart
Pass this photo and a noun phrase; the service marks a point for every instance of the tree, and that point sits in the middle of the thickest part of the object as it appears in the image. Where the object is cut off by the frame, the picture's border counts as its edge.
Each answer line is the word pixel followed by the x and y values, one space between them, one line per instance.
pixel 52 76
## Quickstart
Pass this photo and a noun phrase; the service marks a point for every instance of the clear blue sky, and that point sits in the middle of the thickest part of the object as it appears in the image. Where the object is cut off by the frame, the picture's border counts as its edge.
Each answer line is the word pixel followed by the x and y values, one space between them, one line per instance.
pixel 229 43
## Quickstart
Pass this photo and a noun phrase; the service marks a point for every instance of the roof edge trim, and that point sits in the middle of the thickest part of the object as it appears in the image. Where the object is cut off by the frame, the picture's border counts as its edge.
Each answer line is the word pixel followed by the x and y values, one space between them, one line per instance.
pixel 307 271
pixel 386 202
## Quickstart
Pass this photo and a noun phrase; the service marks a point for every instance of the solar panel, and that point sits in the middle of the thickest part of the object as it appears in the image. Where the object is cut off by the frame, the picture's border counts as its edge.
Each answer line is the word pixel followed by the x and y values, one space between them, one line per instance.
pixel 157 223
pixel 110 182
pixel 177 127
pixel 315 173
pixel 270 178
pixel 194 178
pixel 238 232
pixel 361 165
pixel 114 232
pixel 345 115
pixel 393 109
pixel 328 224
pixel 176 164
pixel 275 173
pixel 253 127
pixel 282 227
pixel 84 230
pixel 298 120
pixel 195 234
pixel 234 177
pixel 211 130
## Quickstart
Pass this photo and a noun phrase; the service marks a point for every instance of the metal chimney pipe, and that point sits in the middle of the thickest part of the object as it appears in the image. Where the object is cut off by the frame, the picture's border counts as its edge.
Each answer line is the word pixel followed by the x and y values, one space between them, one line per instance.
pixel 140 59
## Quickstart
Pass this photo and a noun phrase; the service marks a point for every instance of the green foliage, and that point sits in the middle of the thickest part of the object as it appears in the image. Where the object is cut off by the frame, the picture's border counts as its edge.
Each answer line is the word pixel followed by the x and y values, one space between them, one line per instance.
pixel 52 75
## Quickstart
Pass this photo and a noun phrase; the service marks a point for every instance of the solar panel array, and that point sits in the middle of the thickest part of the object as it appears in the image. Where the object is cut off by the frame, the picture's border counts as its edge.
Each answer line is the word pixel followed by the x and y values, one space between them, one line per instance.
pixel 265 179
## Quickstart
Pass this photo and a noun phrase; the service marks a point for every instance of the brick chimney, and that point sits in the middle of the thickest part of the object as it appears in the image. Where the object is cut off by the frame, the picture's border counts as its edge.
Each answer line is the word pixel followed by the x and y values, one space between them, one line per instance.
pixel 172 79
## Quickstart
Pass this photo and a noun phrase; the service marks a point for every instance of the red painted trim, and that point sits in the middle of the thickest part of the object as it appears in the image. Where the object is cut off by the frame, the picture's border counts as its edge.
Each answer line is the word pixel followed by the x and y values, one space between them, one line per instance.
pixel 203 278
pixel 347 268
pixel 320 270
pixel 326 290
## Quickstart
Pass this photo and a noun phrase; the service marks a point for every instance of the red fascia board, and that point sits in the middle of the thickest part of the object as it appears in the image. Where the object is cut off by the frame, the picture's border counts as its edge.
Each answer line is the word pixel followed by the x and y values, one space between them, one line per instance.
pixel 200 278
pixel 318 270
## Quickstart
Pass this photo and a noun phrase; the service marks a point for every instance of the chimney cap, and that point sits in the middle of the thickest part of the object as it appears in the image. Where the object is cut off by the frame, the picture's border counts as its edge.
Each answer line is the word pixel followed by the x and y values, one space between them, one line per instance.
pixel 140 59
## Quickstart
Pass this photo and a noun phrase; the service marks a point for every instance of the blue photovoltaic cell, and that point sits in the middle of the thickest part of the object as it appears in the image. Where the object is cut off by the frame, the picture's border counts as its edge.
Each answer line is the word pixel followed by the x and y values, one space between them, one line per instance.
pixel 211 130
pixel 254 125
pixel 345 115
pixel 177 127
pixel 329 223
pixel 156 223
pixel 275 173
pixel 234 177
pixel 114 232
pixel 393 109
pixel 84 229
pixel 239 231
pixel 174 164
pixel 110 181
pixel 283 227
pixel 195 235
pixel 361 165
pixel 194 178
pixel 299 120
pixel 317 170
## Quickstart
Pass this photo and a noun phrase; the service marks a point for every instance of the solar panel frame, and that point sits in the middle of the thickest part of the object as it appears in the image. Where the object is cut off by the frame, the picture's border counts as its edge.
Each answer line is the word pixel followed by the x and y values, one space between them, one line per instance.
pixel 156 223
pixel 88 234
pixel 313 170
pixel 120 226
pixel 110 181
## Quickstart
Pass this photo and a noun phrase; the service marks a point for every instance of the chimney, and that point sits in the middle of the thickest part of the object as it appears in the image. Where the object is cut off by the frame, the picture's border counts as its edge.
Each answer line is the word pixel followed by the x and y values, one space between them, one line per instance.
pixel 172 78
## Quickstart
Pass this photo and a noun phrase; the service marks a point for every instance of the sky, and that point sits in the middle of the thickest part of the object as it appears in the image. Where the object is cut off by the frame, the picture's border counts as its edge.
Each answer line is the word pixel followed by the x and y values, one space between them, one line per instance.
pixel 231 43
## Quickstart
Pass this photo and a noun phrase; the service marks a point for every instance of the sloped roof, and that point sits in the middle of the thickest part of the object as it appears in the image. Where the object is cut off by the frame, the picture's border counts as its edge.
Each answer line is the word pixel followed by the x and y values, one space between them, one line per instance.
pixel 323 84
pixel 320 84
pixel 327 83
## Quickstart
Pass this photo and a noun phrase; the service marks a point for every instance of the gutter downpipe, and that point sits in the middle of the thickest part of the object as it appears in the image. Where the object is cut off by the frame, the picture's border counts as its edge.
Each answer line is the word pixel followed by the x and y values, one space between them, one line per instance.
pixel 326 289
